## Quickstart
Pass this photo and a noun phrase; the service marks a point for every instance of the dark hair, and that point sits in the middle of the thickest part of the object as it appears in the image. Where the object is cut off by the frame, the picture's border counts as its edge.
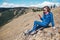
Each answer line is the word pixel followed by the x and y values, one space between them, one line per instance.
pixel 47 7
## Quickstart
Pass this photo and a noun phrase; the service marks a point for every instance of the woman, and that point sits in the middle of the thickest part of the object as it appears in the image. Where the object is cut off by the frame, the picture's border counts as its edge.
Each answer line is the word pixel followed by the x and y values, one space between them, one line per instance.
pixel 46 20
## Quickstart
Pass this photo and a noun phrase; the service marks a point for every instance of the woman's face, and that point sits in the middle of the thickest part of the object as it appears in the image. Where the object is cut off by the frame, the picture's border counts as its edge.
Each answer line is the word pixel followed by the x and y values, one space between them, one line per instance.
pixel 45 10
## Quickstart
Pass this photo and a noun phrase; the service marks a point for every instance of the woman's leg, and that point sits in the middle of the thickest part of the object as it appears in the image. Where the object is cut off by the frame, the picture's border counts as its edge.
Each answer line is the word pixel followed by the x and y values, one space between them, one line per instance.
pixel 37 25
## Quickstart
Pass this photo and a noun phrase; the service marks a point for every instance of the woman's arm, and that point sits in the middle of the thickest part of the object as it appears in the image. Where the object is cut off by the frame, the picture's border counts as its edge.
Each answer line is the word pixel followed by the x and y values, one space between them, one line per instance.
pixel 42 18
pixel 52 20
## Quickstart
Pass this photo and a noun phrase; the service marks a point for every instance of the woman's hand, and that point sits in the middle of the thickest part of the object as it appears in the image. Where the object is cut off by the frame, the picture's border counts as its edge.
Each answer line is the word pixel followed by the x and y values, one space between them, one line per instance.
pixel 53 28
pixel 39 15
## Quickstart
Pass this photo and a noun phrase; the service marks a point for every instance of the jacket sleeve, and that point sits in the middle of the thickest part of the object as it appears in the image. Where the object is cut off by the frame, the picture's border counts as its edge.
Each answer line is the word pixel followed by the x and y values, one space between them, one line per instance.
pixel 52 20
pixel 42 18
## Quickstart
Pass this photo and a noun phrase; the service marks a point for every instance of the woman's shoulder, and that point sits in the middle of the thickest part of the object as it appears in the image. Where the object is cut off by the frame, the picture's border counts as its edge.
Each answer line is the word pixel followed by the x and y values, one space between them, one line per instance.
pixel 50 13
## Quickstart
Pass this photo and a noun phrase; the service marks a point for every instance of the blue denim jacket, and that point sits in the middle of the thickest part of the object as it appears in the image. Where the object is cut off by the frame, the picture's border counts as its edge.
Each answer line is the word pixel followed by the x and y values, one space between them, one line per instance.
pixel 48 18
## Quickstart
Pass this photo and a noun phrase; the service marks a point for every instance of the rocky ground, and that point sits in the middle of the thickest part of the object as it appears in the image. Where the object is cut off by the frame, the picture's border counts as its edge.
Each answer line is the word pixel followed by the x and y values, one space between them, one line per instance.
pixel 14 30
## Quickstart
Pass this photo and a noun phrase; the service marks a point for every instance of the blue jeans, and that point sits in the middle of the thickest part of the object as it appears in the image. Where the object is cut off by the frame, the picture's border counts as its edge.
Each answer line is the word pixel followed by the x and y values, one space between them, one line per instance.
pixel 37 25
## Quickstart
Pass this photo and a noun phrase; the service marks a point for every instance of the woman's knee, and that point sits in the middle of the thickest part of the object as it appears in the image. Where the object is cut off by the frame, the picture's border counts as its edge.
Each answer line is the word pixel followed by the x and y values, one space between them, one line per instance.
pixel 35 21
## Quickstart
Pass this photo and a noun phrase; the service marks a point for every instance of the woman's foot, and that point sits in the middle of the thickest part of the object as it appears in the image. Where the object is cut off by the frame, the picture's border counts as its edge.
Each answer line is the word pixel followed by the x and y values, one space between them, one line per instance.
pixel 34 32
pixel 26 33
pixel 30 33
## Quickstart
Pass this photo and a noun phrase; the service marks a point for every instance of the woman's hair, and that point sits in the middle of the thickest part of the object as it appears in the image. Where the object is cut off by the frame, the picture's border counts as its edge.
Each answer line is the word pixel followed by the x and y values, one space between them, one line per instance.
pixel 47 7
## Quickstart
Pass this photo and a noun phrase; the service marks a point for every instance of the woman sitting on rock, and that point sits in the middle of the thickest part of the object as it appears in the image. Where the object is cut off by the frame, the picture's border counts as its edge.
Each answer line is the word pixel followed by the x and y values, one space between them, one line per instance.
pixel 46 20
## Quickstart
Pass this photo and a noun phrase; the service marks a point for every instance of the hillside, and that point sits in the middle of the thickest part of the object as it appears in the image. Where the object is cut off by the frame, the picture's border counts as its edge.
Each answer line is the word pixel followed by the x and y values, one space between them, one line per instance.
pixel 14 29
pixel 8 14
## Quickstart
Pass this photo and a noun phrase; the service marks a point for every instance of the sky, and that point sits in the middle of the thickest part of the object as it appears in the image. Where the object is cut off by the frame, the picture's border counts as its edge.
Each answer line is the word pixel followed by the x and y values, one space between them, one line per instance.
pixel 28 3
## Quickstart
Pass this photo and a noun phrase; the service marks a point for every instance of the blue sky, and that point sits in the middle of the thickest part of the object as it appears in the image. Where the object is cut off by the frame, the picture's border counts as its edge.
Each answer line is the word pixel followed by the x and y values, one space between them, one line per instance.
pixel 27 2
